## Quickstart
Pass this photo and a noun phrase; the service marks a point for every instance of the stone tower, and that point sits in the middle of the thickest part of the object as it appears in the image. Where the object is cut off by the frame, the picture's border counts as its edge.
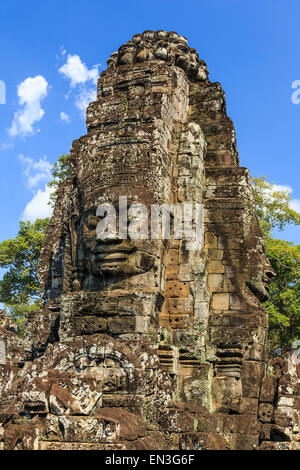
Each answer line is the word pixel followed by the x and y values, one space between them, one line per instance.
pixel 142 343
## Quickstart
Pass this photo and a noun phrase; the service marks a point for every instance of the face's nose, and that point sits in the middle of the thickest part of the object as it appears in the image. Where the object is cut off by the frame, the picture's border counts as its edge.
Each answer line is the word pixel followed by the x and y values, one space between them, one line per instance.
pixel 269 272
pixel 112 242
pixel 112 237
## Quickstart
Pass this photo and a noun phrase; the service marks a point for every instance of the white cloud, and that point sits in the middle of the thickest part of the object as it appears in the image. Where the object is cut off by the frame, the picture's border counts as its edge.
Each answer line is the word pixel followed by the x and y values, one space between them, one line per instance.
pixel 64 117
pixel 282 187
pixel 6 146
pixel 35 171
pixel 30 92
pixel 63 50
pixel 76 71
pixel 294 203
pixel 82 79
pixel 83 99
pixel 38 207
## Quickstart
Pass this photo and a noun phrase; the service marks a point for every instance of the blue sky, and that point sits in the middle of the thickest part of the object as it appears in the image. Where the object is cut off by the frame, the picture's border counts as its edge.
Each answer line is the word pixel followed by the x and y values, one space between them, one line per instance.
pixel 51 53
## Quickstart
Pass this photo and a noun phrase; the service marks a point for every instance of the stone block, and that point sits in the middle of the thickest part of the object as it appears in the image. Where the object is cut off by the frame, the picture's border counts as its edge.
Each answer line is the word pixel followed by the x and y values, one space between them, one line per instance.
pixel 142 324
pixel 215 267
pixel 180 321
pixel 215 282
pixel 266 412
pixel 252 372
pixel 210 240
pixel 220 301
pixel 90 325
pixel 179 305
pixel 215 255
pixel 185 272
pixel 121 325
pixel 172 272
pixel 176 288
pixel 173 257
pixel 268 388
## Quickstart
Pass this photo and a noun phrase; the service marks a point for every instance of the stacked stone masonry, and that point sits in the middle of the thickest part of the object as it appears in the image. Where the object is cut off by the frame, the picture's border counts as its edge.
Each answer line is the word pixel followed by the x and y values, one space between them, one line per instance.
pixel 144 344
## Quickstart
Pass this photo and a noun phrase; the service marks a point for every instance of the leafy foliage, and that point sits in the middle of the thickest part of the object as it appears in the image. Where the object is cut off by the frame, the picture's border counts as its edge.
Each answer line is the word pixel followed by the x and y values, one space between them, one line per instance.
pixel 19 287
pixel 20 255
pixel 283 306
pixel 61 170
pixel 273 206
pixel 17 313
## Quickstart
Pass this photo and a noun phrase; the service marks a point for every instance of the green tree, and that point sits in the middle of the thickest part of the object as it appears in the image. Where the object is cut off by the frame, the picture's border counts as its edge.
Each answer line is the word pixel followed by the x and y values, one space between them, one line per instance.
pixel 20 256
pixel 17 313
pixel 61 170
pixel 19 287
pixel 273 206
pixel 283 306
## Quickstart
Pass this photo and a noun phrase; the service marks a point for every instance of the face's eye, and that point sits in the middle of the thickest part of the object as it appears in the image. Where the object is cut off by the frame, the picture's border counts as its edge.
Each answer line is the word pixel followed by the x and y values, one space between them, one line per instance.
pixel 183 49
pixel 262 249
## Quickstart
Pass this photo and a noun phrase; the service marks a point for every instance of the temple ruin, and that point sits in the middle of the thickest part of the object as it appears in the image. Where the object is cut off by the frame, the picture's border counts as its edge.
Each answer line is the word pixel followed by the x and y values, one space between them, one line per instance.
pixel 143 343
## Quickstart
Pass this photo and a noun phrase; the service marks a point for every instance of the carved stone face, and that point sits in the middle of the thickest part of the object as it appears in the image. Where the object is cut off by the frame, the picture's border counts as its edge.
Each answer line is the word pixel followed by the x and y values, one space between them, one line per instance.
pixel 202 71
pixel 193 62
pixel 144 52
pixel 126 54
pixel 262 273
pixel 182 56
pixel 161 51
pixel 111 257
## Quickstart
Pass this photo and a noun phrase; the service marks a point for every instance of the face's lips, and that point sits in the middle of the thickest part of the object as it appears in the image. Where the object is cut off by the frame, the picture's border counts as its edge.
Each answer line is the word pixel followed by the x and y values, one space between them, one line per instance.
pixel 112 255
pixel 259 289
pixel 102 250
pixel 111 248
